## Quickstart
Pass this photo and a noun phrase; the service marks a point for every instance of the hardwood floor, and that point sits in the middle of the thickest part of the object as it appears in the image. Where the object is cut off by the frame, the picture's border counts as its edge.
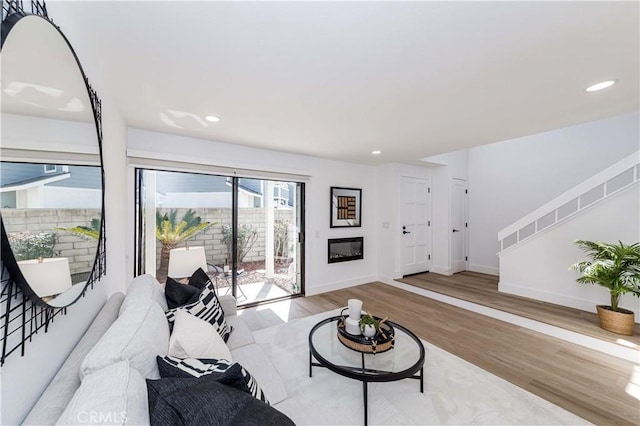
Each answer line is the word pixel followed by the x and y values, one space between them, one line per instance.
pixel 586 382
pixel 483 290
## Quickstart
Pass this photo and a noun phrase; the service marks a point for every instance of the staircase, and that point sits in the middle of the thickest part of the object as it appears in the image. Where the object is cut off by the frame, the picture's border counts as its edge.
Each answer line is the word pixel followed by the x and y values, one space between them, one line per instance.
pixel 536 250
pixel 621 176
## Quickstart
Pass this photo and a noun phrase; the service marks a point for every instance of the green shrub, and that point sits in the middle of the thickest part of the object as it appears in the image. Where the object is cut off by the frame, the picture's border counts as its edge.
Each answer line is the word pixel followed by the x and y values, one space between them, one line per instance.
pixel 247 237
pixel 26 245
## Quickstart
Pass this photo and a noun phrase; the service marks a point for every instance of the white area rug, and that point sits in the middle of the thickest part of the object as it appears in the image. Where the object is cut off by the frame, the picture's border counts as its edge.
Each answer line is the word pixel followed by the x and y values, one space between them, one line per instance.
pixel 455 391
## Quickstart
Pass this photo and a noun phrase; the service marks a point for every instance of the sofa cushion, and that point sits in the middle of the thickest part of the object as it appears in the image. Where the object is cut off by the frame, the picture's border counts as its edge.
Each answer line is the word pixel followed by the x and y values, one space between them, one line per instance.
pixel 141 288
pixel 115 395
pixel 228 303
pixel 208 308
pixel 241 335
pixel 139 334
pixel 178 401
pixel 196 338
pixel 66 382
pixel 253 359
pixel 219 370
pixel 178 294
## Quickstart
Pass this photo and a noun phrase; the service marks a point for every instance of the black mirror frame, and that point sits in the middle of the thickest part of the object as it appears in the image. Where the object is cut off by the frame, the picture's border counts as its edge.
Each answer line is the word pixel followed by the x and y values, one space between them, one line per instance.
pixel 12 13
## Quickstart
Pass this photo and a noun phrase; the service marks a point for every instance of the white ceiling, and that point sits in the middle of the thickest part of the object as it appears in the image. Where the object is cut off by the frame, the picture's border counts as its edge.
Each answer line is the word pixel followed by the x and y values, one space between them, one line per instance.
pixel 338 80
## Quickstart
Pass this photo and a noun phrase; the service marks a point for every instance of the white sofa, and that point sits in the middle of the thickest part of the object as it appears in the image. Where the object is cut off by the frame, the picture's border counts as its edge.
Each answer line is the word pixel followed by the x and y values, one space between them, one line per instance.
pixel 104 374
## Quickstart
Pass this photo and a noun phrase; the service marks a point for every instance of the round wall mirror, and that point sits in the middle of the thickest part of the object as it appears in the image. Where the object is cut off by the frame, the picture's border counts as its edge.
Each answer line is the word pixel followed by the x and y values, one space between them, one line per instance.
pixel 51 180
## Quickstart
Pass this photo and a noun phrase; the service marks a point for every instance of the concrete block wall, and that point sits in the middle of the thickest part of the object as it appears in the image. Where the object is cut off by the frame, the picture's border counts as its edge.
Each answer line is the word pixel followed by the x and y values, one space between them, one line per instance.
pixel 211 239
pixel 80 251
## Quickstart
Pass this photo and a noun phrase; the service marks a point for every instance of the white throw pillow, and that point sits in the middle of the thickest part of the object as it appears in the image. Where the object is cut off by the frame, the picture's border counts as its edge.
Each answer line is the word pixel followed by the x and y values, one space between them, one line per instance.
pixel 114 395
pixel 141 288
pixel 196 338
pixel 139 334
pixel 208 308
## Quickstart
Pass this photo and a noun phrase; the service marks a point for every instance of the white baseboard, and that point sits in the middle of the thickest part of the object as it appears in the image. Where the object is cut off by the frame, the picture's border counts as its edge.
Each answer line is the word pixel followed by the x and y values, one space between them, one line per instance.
pixel 441 270
pixel 556 298
pixel 387 280
pixel 484 269
pixel 337 285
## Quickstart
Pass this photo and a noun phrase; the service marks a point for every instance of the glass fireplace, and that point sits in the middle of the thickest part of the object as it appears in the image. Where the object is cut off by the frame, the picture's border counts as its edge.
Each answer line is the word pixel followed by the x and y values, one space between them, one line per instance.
pixel 346 249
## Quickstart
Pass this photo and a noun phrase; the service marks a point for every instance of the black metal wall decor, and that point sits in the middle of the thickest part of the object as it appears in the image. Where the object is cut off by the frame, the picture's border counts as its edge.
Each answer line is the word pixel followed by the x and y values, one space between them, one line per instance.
pixel 24 313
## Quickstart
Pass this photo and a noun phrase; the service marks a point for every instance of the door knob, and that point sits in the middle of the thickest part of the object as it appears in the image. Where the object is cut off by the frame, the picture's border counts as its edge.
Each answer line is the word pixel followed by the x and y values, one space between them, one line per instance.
pixel 404 230
pixel 455 230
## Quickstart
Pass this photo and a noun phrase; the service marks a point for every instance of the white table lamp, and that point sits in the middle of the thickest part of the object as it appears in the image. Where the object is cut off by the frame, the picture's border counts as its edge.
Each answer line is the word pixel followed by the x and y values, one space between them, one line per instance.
pixel 47 277
pixel 184 261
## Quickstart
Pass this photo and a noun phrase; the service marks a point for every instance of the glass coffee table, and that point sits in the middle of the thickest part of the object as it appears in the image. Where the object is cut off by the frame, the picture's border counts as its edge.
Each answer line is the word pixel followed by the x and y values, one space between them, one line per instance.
pixel 404 360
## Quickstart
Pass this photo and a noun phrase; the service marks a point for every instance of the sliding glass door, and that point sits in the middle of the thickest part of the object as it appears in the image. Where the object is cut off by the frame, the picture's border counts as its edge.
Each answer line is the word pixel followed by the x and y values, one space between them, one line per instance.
pixel 246 232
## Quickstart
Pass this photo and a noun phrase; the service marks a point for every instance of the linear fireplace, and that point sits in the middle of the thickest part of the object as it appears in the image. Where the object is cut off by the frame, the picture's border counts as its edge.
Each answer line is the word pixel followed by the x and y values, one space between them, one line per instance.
pixel 346 249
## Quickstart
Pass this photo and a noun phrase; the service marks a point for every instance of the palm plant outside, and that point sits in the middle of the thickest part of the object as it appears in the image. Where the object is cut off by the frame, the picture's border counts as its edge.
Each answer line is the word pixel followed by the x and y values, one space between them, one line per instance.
pixel 91 233
pixel 614 266
pixel 170 232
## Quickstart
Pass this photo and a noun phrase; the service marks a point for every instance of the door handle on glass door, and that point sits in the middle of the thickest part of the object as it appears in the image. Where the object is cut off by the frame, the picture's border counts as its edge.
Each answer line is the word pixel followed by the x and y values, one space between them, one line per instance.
pixel 404 231
pixel 455 230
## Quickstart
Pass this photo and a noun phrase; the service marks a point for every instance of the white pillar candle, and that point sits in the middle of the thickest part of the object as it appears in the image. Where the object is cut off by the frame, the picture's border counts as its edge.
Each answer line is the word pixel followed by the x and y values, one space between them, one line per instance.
pixel 355 308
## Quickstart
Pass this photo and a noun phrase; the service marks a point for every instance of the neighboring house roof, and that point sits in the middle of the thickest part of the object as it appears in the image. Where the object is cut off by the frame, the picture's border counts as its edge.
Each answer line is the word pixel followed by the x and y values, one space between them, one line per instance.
pixel 19 176
pixel 191 182
pixel 167 182
pixel 12 174
pixel 87 177
pixel 176 182
pixel 250 185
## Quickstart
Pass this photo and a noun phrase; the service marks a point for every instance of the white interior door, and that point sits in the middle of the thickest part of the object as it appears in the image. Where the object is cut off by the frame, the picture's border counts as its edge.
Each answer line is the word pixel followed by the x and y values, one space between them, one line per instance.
pixel 458 225
pixel 416 225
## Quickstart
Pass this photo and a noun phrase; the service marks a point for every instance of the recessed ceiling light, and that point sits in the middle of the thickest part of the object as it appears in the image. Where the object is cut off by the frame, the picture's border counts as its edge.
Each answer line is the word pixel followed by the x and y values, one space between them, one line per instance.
pixel 601 85
pixel 376 152
pixel 212 118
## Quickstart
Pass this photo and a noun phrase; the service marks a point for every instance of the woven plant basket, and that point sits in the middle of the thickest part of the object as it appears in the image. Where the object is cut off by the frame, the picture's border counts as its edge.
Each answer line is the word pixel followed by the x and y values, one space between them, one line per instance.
pixel 621 322
pixel 371 348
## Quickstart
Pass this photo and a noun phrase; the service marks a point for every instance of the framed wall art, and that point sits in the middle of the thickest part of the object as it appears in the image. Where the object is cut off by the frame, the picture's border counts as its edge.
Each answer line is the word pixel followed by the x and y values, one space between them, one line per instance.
pixel 346 207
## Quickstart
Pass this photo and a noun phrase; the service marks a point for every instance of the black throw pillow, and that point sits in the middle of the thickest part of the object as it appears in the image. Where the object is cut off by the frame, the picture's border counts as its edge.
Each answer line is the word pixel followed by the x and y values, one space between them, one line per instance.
pixel 232 374
pixel 178 401
pixel 179 294
pixel 199 279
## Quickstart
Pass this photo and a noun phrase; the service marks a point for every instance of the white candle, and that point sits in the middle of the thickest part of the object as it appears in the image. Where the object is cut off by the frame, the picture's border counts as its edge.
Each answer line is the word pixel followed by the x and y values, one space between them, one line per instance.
pixel 355 308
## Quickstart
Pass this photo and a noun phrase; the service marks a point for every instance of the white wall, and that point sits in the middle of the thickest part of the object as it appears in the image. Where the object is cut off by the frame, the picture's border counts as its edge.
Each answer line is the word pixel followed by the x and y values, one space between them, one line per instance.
pixel 199 200
pixel 444 168
pixel 538 267
pixel 509 179
pixel 72 198
pixel 320 276
pixel 24 378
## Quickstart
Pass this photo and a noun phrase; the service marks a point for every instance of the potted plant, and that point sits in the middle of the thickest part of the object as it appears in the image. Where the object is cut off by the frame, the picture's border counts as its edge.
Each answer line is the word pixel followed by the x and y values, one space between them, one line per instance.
pixel 369 325
pixel 616 267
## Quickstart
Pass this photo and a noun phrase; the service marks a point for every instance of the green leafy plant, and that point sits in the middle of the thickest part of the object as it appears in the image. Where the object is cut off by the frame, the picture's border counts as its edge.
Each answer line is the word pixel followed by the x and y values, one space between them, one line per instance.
pixel 170 232
pixel 90 233
pixel 613 266
pixel 368 319
pixel 26 245
pixel 247 237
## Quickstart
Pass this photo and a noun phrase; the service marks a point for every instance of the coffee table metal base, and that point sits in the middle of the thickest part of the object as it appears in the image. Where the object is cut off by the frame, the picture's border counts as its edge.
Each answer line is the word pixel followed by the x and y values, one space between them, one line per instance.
pixel 365 382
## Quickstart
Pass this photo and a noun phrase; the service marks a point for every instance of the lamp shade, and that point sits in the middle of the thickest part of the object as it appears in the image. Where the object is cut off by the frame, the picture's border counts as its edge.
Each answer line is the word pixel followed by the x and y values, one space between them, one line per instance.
pixel 48 277
pixel 184 261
